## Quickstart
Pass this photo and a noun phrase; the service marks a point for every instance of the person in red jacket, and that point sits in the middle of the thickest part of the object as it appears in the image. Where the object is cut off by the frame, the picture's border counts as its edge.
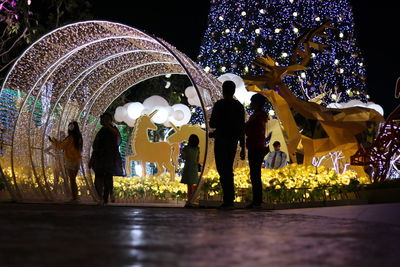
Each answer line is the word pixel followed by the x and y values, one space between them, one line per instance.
pixel 255 143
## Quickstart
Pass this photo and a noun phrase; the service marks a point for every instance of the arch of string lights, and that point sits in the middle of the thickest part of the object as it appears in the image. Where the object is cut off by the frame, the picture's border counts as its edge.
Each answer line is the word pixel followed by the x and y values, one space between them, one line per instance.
pixel 74 73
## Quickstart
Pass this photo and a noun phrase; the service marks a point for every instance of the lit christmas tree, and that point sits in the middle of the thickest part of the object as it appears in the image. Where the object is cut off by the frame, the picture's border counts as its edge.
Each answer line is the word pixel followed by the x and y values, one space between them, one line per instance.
pixel 241 31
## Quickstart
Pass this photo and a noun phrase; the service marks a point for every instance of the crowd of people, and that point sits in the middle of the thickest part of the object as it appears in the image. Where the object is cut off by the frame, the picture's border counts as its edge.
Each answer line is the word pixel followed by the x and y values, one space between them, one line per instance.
pixel 230 129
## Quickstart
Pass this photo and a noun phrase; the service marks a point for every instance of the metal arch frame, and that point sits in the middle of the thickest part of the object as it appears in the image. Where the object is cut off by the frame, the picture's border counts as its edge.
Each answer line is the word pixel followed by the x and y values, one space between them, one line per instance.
pixel 183 62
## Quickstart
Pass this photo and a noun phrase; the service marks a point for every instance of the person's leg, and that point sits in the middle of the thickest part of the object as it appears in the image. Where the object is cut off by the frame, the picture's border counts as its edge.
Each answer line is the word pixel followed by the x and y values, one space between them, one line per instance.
pixel 99 183
pixel 230 152
pixel 112 197
pixel 72 173
pixel 221 164
pixel 107 186
pixel 189 191
pixel 255 160
pixel 224 156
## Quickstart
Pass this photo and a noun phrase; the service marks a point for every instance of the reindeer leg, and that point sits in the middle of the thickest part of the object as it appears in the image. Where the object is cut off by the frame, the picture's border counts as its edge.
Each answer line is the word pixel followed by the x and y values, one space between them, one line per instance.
pixel 143 164
pixel 168 165
pixel 128 161
pixel 160 169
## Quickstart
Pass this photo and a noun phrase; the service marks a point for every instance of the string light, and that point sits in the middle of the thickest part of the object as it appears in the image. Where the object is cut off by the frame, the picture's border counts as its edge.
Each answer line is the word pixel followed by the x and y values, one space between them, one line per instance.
pixel 282 22
pixel 86 66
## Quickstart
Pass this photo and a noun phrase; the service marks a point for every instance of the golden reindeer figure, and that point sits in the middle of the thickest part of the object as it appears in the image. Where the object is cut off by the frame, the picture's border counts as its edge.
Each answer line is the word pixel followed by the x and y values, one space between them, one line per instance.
pixel 315 130
pixel 161 153
pixel 182 134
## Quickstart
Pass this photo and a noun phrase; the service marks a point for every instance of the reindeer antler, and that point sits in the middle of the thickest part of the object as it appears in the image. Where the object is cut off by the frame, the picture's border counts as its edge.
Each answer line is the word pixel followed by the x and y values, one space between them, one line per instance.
pixel 274 74
pixel 306 41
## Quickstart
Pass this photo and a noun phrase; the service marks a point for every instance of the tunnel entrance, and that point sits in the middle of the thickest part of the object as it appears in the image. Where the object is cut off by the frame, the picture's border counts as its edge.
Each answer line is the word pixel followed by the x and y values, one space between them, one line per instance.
pixel 77 72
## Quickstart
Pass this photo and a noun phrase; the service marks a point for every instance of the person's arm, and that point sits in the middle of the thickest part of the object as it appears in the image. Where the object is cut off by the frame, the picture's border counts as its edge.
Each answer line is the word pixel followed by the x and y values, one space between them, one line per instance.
pixel 268 161
pixel 215 114
pixel 242 136
pixel 61 144
pixel 283 160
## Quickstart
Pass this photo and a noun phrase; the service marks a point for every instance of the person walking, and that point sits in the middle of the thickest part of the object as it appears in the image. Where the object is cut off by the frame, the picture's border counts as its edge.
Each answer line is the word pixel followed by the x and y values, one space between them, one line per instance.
pixel 190 174
pixel 106 159
pixel 227 118
pixel 255 143
pixel 72 147
pixel 276 159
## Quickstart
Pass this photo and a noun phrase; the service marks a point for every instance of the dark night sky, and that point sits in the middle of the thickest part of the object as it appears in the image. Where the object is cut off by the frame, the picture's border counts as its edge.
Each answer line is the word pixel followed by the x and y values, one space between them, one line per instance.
pixel 182 23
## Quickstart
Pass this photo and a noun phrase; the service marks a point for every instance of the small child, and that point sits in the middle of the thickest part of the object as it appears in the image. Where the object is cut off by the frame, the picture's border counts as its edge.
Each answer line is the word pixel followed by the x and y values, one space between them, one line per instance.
pixel 190 154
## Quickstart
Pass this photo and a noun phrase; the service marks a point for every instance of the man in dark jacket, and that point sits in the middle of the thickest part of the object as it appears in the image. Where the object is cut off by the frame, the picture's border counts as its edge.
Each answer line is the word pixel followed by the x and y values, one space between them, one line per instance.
pixel 106 160
pixel 228 120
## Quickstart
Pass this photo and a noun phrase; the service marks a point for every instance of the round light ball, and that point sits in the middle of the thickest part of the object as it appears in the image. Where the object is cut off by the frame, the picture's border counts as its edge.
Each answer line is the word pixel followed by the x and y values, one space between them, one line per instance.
pixel 154 101
pixel 134 110
pixel 161 115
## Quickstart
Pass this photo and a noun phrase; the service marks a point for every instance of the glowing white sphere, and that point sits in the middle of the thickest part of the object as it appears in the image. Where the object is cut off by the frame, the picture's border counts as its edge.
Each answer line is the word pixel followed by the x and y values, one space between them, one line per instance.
pixel 190 92
pixel 241 92
pixel 161 115
pixel 271 112
pixel 155 100
pixel 178 115
pixel 145 111
pixel 243 96
pixel 120 114
pixel 194 101
pixel 175 114
pixel 232 77
pixel 134 110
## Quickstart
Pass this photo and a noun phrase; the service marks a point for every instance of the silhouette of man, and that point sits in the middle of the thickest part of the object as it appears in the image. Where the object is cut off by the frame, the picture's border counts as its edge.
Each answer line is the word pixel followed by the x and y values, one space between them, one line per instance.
pixel 228 120
pixel 255 142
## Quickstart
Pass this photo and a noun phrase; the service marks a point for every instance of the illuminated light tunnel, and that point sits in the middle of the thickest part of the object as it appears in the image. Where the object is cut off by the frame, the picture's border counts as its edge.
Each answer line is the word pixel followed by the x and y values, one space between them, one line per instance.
pixel 75 73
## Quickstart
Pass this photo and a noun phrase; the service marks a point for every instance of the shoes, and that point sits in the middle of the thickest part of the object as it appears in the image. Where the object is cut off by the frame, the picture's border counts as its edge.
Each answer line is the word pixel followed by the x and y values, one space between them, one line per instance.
pixel 226 206
pixel 254 206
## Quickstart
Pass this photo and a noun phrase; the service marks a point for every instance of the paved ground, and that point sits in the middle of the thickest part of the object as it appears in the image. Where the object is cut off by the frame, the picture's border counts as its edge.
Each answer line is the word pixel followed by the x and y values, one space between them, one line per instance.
pixel 68 235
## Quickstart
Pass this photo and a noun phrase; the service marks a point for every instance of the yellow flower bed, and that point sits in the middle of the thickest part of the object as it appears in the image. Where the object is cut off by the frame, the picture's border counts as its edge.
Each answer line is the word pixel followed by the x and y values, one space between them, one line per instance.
pixel 306 182
pixel 293 183
pixel 160 187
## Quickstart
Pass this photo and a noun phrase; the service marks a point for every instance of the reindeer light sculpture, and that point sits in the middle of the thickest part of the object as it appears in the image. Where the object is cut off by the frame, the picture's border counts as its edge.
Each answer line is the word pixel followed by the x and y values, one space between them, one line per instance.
pixel 163 154
pixel 311 129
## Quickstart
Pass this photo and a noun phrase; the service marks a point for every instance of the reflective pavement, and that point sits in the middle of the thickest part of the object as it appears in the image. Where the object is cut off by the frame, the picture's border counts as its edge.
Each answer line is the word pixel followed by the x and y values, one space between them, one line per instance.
pixel 72 235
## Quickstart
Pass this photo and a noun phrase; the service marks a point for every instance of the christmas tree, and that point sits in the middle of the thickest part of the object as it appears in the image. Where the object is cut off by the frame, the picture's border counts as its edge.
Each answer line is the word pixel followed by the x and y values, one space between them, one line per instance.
pixel 241 31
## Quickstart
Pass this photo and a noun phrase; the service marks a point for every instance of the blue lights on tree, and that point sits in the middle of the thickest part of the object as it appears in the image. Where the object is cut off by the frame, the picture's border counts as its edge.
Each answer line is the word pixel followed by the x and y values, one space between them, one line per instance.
pixel 242 30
